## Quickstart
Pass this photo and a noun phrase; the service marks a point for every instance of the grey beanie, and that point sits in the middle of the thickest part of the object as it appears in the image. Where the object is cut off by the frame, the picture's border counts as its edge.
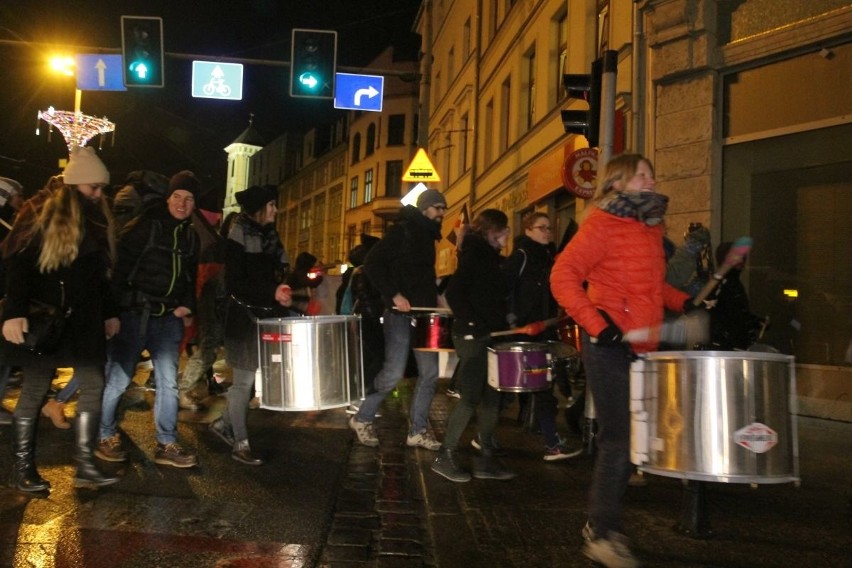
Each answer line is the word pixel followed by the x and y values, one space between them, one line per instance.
pixel 429 198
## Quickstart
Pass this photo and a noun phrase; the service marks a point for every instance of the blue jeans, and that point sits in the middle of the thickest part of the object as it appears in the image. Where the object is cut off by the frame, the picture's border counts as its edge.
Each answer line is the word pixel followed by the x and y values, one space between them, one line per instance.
pixel 397 331
pixel 161 338
pixel 608 376
pixel 476 395
pixel 69 389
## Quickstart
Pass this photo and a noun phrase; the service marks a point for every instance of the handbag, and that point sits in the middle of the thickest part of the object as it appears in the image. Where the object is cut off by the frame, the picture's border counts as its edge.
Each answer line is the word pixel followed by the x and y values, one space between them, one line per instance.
pixel 45 323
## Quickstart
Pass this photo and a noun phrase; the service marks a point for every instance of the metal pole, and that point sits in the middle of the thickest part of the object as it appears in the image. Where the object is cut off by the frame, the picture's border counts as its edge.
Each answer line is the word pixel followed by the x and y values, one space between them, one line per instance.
pixel 608 86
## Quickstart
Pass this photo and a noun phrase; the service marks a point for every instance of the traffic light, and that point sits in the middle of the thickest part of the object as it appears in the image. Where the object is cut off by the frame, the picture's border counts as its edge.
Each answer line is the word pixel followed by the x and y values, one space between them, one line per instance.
pixel 588 88
pixel 313 62
pixel 142 49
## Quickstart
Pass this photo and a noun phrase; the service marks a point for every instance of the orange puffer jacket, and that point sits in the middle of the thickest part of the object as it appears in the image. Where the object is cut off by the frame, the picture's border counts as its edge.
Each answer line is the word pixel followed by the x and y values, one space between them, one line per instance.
pixel 624 264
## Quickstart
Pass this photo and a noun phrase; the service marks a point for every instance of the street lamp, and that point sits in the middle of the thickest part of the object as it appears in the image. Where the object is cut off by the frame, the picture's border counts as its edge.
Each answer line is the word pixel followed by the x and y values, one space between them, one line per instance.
pixel 64 64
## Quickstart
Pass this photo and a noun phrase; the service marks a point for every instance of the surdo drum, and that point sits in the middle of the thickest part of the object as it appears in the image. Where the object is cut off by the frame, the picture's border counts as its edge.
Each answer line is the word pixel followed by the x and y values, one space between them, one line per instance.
pixel 310 363
pixel 722 416
pixel 519 367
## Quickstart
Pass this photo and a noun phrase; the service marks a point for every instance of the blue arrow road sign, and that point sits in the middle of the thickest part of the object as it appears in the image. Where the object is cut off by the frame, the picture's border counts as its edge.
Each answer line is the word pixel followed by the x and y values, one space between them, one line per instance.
pixel 358 92
pixel 99 73
pixel 215 80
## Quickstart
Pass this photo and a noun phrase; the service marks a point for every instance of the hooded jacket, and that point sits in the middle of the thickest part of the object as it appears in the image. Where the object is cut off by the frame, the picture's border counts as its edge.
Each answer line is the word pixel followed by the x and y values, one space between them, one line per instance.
pixel 403 262
pixel 623 262
pixel 477 291
pixel 527 272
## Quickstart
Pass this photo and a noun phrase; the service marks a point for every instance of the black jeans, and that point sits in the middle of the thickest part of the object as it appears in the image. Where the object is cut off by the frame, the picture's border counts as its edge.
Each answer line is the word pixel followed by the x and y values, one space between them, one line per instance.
pixel 37 382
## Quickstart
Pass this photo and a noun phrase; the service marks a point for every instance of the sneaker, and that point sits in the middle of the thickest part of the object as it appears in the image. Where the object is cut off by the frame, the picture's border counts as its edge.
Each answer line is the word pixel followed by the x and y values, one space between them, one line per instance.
pixel 110 449
pixel 488 467
pixel 174 455
pixel 612 552
pixel 446 466
pixel 453 393
pixel 354 408
pixel 187 402
pixel 223 431
pixel 424 439
pixel 496 448
pixel 561 451
pixel 364 431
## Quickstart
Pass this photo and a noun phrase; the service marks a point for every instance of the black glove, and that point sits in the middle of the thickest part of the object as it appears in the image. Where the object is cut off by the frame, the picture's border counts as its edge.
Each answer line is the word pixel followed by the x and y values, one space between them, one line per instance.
pixel 610 335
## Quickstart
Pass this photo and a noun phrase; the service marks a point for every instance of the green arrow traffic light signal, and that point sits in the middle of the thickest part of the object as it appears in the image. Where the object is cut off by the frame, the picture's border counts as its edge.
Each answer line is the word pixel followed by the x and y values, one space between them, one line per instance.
pixel 142 49
pixel 313 61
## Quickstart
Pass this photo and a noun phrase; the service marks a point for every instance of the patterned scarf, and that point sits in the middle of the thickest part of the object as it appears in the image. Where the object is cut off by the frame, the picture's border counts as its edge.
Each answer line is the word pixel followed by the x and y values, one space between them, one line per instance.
pixel 256 239
pixel 647 207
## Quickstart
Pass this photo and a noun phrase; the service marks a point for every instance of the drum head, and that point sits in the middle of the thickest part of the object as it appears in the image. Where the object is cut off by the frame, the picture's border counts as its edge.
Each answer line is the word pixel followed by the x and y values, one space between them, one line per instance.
pixel 559 350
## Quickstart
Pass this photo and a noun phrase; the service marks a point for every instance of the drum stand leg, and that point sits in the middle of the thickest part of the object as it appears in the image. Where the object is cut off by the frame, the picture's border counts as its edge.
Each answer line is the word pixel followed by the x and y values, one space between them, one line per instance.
pixel 694 520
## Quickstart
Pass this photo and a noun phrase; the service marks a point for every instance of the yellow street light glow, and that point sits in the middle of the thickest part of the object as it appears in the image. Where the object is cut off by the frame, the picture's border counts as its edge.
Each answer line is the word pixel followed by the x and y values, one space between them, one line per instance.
pixel 791 293
pixel 62 64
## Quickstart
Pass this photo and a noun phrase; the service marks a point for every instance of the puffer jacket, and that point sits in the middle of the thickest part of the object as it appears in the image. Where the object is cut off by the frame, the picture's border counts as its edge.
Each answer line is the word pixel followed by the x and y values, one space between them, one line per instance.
pixel 624 264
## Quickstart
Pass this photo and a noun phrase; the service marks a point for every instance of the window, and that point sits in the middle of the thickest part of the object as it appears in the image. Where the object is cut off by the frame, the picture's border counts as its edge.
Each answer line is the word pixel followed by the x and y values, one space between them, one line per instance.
pixel 451 65
pixel 371 140
pixel 396 130
pixel 365 228
pixel 356 148
pixel 466 41
pixel 529 96
pixel 492 19
pixel 368 186
pixel 506 102
pixel 393 178
pixel 350 237
pixel 561 22
pixel 489 132
pixel 353 193
pixel 463 126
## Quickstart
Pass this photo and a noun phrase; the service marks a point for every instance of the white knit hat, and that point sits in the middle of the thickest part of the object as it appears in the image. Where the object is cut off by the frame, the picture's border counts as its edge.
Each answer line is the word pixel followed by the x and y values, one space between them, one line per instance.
pixel 84 166
pixel 8 189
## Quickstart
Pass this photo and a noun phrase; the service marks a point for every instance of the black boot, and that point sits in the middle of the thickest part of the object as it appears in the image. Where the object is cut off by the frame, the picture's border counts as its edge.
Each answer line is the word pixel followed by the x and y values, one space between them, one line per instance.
pixel 242 453
pixel 24 474
pixel 447 466
pixel 86 432
pixel 488 467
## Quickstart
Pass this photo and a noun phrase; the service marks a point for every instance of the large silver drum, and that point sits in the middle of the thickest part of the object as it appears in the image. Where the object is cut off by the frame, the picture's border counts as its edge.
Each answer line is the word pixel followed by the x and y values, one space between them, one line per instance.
pixel 310 363
pixel 724 416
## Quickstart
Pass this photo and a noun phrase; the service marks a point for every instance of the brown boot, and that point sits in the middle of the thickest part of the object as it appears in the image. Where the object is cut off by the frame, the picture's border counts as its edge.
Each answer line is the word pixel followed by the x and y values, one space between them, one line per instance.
pixel 55 410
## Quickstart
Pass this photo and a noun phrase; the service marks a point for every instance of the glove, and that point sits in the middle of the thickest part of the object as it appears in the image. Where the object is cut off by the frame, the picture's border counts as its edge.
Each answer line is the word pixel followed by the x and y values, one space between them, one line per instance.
pixel 696 239
pixel 610 335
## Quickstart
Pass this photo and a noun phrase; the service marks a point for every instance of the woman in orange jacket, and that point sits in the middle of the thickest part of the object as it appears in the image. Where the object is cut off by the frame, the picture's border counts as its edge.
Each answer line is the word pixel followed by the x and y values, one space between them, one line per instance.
pixel 611 279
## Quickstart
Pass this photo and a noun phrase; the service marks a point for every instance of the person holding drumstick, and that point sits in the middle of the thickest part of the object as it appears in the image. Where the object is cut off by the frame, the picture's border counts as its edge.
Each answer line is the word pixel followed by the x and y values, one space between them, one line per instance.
pixel 255 267
pixel 402 267
pixel 611 279
pixel 477 295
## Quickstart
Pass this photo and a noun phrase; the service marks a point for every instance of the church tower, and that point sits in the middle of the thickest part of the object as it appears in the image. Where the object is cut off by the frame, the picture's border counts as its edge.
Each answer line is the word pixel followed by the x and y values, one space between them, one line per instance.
pixel 239 153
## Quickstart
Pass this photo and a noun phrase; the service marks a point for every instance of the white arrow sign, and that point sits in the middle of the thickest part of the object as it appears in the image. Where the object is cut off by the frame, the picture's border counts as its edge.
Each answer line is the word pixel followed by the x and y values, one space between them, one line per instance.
pixel 101 67
pixel 370 92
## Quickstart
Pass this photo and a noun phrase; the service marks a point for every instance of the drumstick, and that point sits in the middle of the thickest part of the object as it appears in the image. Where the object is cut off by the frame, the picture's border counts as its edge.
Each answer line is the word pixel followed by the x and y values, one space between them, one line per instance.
pixel 686 330
pixel 438 310
pixel 533 328
pixel 738 252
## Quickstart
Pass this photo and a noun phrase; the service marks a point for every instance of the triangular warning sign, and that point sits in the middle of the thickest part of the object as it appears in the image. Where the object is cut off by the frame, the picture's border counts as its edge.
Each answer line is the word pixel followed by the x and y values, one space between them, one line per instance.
pixel 421 169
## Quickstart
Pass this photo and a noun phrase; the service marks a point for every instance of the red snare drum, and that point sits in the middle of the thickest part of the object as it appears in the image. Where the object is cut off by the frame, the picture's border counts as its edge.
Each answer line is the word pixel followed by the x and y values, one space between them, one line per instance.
pixel 569 333
pixel 433 332
pixel 519 367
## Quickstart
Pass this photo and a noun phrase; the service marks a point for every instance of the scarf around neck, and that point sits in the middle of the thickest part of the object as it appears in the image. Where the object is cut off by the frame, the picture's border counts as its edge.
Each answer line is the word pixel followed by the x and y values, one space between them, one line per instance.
pixel 647 207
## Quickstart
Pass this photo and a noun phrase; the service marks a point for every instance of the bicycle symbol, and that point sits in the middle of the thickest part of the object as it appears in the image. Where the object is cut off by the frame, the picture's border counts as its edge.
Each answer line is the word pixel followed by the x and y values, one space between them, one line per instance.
pixel 216 85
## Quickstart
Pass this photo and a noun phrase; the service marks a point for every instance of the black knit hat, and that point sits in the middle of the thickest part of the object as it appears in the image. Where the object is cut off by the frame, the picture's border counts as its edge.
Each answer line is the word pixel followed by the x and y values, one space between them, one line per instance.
pixel 186 181
pixel 256 197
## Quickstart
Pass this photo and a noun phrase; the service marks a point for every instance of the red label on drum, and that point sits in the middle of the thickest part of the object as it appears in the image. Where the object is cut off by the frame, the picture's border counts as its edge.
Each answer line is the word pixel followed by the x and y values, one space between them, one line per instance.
pixel 276 337
pixel 756 437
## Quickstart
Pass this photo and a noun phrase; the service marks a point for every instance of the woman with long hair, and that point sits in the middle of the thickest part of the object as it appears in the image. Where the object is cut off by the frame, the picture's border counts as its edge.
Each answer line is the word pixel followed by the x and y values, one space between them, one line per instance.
pixel 477 295
pixel 611 279
pixel 255 268
pixel 60 252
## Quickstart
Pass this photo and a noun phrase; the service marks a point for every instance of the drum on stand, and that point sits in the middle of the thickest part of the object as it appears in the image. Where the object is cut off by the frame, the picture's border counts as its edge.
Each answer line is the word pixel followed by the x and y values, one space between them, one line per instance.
pixel 519 367
pixel 723 416
pixel 433 332
pixel 310 363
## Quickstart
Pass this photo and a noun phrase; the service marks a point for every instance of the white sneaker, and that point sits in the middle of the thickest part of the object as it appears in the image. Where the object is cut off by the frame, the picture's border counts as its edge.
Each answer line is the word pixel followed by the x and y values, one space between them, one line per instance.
pixel 424 439
pixel 612 551
pixel 365 433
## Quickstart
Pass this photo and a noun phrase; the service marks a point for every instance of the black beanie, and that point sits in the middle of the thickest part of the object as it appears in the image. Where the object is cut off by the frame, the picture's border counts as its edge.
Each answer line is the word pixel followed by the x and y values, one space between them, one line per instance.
pixel 256 197
pixel 186 181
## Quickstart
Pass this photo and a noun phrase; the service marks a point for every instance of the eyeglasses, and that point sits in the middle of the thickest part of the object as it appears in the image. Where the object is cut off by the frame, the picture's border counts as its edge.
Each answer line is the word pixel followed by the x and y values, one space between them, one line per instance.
pixel 545 228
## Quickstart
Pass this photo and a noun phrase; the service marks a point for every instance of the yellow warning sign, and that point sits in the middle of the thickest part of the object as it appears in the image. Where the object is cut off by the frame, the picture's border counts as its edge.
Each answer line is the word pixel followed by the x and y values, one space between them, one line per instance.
pixel 421 169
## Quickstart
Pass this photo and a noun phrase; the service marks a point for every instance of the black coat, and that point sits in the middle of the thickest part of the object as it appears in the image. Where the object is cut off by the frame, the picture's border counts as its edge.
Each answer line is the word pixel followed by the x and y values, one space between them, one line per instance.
pixel 86 292
pixel 255 266
pixel 403 262
pixel 477 291
pixel 527 272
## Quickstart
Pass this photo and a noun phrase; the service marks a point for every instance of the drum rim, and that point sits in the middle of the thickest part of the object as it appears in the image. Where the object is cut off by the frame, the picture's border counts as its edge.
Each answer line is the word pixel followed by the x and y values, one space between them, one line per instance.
pixel 519 346
pixel 717 355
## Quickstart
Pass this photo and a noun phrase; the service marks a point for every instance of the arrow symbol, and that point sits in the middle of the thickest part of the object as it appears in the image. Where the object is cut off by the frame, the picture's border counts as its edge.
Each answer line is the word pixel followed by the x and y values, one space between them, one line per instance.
pixel 369 92
pixel 101 67
pixel 218 73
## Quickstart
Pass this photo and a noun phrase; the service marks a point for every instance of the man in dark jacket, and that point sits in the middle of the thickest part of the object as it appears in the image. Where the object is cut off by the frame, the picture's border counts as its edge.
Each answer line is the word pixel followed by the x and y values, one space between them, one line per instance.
pixel 154 282
pixel 402 267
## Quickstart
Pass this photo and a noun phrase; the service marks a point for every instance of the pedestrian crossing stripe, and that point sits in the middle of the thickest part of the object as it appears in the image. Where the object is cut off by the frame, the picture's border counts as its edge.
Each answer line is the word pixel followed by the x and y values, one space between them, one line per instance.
pixel 421 168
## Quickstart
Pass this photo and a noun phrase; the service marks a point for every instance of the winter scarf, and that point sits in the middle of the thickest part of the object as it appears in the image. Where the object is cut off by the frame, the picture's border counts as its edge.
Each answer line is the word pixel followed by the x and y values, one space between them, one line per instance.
pixel 647 207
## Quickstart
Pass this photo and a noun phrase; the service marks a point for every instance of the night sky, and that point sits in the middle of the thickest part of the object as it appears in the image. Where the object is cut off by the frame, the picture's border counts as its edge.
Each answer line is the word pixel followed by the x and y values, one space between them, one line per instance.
pixel 166 130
